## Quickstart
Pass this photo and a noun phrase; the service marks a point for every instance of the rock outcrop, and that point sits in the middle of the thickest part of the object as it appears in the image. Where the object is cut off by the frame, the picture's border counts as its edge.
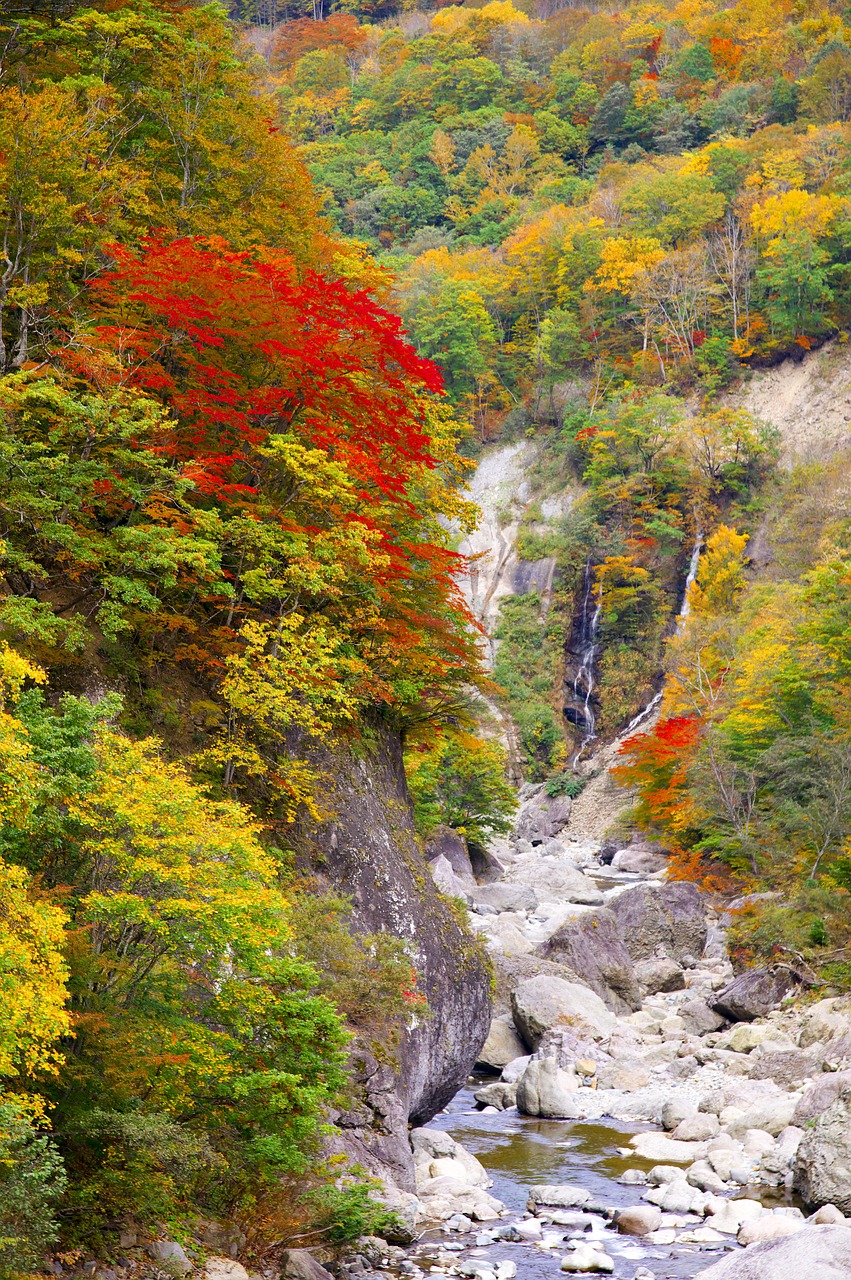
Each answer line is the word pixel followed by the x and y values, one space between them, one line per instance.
pixel 593 946
pixel 754 993
pixel 665 920
pixel 823 1161
pixel 369 852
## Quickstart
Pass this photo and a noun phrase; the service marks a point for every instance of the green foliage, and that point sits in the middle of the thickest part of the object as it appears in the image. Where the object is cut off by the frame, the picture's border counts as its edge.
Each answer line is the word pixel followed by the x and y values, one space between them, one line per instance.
pixel 460 781
pixel 347 1210
pixel 32 1180
pixel 528 666
pixel 565 784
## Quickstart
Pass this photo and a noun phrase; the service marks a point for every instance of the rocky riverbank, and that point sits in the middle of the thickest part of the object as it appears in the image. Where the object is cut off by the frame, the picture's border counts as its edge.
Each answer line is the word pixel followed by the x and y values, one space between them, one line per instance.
pixel 615 997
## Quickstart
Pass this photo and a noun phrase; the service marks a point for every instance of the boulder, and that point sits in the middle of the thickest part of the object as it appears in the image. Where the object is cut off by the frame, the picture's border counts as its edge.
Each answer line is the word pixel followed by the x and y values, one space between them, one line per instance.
pixel 624 1074
pixel 771 1115
pixel 499 1094
pixel 774 1226
pixel 510 971
pixel 300 1264
pixel 822 1168
pixel 818 1253
pixel 699 1019
pixel 569 1049
pixel 825 1020
pixel 664 920
pixel 754 993
pixel 664 1150
pixel 542 818
pixel 592 946
pixel 224 1269
pixel 786 1067
pixel 446 879
pixel 639 860
pixel 656 976
pixel 513 1070
pixel 445 842
pixel 820 1095
pixel 504 896
pixel 639 1220
pixel 558 1196
pixel 674 1111
pixel 434 1152
pixel 502 1046
pixel 560 880
pixel 541 1003
pixel 587 1258
pixel 546 1090
pixel 171 1256
pixel 696 1128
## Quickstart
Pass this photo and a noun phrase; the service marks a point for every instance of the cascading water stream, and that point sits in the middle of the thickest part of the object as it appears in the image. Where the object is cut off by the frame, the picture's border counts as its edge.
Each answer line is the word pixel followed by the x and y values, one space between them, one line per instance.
pixel 584 683
pixel 685 610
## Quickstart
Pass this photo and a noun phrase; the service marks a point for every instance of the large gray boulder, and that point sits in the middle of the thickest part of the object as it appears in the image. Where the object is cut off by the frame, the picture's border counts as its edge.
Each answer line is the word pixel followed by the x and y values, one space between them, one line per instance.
pixel 546 1090
pixel 502 1046
pixel 817 1253
pixel 504 896
pixel 445 842
pixel 664 920
pixel 592 946
pixel 822 1168
pixel 542 1003
pixel 820 1095
pixel 754 993
pixel 559 880
pixel 543 817
pixel 510 971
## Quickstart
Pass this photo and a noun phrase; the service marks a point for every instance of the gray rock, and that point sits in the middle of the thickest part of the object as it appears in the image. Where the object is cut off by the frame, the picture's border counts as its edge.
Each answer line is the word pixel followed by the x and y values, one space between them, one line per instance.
pixel 754 993
pixel 592 946
pixel 559 880
pixel 699 1019
pixel 499 1094
pixel 820 1095
pixel 546 1090
pixel 822 1168
pixel 818 1253
pixel 502 1046
pixel 542 818
pixel 510 971
pixel 655 976
pixel 170 1255
pixel 368 851
pixel 504 896
pixel 512 1071
pixel 557 1197
pixel 224 1269
pixel 639 860
pixel 674 1111
pixel 444 842
pixel 666 920
pixel 638 1220
pixel 786 1067
pixel 541 1003
pixel 566 1046
pixel 696 1128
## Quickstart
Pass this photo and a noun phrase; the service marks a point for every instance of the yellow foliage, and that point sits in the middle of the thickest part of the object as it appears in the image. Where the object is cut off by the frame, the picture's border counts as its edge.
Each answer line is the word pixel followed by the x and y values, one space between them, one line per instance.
pixel 623 260
pixel 721 575
pixel 33 993
pixel 790 211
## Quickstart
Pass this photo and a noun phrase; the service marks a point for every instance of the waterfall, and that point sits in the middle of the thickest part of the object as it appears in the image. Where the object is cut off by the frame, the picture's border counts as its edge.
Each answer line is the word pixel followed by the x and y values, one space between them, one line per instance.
pixel 584 683
pixel 685 610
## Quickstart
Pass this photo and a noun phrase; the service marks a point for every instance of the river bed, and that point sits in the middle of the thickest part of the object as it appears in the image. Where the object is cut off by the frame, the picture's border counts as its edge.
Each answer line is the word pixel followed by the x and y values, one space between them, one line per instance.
pixel 519 1152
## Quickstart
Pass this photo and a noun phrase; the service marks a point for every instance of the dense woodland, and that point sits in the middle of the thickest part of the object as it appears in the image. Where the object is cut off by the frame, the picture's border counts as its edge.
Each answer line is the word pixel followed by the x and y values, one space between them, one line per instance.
pixel 233 488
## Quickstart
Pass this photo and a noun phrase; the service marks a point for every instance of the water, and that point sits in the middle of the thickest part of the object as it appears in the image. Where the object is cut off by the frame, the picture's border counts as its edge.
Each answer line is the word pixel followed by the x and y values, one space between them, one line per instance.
pixel 519 1152
pixel 685 610
pixel 584 683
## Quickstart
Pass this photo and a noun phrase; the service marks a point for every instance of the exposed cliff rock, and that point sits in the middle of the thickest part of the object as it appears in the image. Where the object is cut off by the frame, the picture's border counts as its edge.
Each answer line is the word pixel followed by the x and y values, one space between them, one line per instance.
pixel 369 852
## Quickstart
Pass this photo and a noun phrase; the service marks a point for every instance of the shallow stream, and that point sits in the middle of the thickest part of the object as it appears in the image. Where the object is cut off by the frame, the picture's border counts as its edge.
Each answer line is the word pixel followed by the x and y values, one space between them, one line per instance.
pixel 520 1152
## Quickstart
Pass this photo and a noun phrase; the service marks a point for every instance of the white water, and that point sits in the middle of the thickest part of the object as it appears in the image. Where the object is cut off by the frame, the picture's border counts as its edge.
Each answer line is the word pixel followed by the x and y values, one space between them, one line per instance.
pixel 584 683
pixel 685 610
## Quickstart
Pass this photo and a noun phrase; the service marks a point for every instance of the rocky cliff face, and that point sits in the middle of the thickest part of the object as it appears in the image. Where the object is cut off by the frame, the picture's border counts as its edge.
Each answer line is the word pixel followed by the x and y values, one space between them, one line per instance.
pixel 369 852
